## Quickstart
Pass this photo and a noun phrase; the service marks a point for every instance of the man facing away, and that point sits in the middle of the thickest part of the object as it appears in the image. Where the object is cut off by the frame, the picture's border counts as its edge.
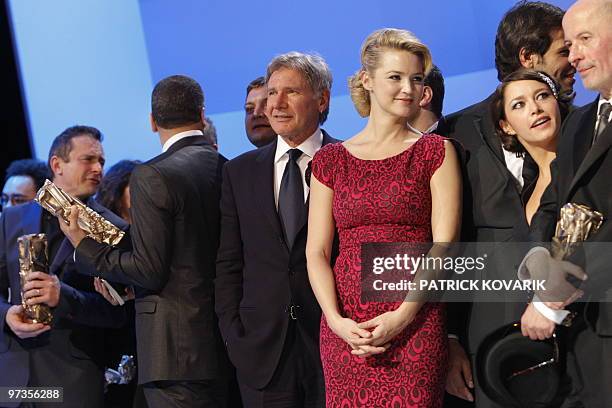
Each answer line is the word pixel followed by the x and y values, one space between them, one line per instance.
pixel 174 232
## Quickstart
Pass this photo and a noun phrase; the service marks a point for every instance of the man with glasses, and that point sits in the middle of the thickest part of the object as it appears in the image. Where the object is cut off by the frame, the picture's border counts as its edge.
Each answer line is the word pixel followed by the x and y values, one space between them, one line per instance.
pixel 22 181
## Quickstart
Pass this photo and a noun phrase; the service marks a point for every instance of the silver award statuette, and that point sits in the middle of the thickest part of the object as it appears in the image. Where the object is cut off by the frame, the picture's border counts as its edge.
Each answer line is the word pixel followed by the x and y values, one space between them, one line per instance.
pixel 58 202
pixel 33 257
pixel 576 223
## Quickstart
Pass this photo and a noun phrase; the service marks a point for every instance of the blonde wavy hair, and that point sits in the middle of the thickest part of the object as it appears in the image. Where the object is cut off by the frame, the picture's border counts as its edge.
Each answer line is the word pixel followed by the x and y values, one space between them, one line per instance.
pixel 371 50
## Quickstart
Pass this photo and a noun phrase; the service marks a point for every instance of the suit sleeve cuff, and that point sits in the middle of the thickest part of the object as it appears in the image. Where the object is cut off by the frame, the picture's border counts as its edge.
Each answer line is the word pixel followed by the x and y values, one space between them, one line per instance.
pixel 64 306
pixel 523 272
pixel 556 316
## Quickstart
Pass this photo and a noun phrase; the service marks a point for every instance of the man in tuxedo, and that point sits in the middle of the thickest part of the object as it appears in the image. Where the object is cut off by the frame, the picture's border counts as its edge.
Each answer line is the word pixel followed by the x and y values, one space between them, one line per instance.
pixel 256 124
pixel 174 231
pixel 69 352
pixel 581 174
pixel 529 35
pixel 268 315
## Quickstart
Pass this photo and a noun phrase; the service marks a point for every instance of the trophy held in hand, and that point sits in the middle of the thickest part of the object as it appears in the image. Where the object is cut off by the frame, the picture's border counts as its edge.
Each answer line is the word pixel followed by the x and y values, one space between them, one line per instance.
pixel 58 202
pixel 33 257
pixel 576 223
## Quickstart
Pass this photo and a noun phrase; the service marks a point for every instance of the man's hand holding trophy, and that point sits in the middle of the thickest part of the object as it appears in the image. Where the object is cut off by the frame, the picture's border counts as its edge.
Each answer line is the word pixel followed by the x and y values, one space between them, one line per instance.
pixel 575 225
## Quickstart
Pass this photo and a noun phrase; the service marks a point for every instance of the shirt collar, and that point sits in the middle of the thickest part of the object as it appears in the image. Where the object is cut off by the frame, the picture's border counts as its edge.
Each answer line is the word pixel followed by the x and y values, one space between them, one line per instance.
pixel 308 147
pixel 430 129
pixel 181 135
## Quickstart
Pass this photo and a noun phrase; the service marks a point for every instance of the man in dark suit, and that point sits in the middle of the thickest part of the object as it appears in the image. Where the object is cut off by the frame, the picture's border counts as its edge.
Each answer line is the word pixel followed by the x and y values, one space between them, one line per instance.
pixel 581 174
pixel 430 114
pixel 69 353
pixel 530 35
pixel 175 226
pixel 268 315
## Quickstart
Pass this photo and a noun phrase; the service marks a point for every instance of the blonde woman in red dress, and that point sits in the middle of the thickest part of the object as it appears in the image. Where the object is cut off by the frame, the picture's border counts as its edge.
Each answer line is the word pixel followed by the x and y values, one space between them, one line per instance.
pixel 385 184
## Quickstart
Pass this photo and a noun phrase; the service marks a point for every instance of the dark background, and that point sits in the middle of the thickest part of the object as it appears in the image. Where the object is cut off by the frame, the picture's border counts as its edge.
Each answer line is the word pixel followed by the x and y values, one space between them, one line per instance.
pixel 13 125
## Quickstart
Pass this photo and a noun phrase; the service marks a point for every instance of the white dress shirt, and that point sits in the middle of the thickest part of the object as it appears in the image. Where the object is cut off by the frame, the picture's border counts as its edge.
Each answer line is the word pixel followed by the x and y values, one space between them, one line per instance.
pixel 175 138
pixel 430 129
pixel 515 166
pixel 309 147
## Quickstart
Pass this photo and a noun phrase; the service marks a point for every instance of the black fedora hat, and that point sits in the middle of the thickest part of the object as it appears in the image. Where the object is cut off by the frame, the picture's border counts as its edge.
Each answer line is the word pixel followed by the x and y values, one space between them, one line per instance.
pixel 515 371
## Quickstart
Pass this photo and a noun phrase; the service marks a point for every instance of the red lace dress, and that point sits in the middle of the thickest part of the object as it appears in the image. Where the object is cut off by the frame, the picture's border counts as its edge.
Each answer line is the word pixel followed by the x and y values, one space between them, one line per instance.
pixel 385 200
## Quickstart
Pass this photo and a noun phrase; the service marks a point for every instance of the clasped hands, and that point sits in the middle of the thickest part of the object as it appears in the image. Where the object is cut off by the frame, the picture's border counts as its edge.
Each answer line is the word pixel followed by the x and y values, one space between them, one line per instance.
pixel 373 336
pixel 40 288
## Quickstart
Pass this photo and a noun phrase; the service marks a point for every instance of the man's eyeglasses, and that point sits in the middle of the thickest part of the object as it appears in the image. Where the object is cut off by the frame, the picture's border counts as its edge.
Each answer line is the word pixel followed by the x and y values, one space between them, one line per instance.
pixel 14 199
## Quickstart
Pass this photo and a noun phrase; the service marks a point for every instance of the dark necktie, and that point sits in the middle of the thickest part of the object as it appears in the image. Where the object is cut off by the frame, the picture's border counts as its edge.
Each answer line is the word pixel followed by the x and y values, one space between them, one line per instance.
pixel 291 206
pixel 602 120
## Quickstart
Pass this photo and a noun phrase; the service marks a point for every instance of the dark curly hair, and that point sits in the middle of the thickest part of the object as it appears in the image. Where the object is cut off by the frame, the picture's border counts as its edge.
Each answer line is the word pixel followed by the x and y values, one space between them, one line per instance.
pixel 33 168
pixel 528 25
pixel 114 183
pixel 510 142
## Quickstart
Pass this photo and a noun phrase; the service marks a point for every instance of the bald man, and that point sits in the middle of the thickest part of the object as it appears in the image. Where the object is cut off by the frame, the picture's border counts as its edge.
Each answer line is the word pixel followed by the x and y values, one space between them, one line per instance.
pixel 581 174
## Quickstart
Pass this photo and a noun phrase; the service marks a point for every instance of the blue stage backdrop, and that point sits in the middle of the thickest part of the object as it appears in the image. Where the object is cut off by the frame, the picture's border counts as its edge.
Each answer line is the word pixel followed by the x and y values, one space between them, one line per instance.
pixel 95 61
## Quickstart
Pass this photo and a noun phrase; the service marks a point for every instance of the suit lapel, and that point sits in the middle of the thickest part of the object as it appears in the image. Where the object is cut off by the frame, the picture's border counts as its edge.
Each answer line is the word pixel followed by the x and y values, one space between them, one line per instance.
pixel 263 189
pixel 601 146
pixel 485 128
pixel 582 141
pixel 64 252
pixel 32 219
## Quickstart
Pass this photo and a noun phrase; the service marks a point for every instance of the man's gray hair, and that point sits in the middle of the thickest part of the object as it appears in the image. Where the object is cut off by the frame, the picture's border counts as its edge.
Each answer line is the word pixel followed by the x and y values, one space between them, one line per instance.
pixel 312 66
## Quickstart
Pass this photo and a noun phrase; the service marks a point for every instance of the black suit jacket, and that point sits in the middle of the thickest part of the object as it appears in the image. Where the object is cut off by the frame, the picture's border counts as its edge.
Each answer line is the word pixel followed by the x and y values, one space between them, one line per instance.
pixel 175 225
pixel 492 212
pixel 71 354
pixel 258 277
pixel 582 174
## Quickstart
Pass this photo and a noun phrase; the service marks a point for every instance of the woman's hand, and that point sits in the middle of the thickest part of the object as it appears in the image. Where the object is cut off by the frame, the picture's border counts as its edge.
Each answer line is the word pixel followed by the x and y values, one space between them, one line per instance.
pixel 388 325
pixel 349 331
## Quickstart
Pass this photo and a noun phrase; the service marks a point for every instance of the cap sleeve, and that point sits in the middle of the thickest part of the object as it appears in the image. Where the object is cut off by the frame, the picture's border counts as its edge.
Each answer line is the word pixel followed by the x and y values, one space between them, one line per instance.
pixel 325 164
pixel 434 152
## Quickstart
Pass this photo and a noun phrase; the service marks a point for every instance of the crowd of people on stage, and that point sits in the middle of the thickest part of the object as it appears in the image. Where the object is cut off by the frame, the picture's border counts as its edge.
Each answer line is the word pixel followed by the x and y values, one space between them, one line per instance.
pixel 241 280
